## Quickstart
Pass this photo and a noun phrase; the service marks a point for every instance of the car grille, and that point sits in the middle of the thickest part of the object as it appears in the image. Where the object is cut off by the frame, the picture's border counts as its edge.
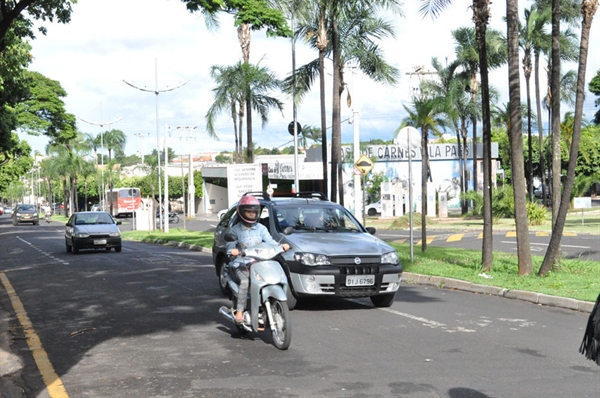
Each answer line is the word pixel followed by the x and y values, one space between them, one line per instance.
pixel 369 265
pixel 99 236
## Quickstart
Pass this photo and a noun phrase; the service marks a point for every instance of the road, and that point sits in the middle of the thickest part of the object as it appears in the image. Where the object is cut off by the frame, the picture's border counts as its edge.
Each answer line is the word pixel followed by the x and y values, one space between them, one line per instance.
pixel 145 323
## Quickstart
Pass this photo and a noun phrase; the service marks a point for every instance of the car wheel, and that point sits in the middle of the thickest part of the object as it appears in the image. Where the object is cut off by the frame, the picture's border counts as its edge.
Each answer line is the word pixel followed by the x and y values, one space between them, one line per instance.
pixel 372 212
pixel 75 248
pixel 291 299
pixel 118 249
pixel 383 300
pixel 223 285
pixel 68 247
pixel 107 249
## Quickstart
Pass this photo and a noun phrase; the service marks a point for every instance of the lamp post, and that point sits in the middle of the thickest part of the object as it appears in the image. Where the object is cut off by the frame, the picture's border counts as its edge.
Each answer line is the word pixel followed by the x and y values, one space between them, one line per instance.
pixel 412 141
pixel 156 91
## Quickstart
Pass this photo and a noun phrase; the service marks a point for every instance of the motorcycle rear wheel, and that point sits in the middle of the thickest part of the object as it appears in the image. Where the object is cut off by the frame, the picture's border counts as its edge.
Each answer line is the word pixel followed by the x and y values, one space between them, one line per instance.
pixel 281 329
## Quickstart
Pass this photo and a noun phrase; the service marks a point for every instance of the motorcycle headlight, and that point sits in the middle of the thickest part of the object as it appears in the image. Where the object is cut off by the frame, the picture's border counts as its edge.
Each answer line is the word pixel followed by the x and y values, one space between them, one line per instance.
pixel 390 258
pixel 312 259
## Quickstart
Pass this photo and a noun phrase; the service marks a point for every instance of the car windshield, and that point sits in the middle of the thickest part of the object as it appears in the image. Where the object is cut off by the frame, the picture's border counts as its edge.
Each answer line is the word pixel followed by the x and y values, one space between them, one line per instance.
pixel 307 217
pixel 26 208
pixel 90 219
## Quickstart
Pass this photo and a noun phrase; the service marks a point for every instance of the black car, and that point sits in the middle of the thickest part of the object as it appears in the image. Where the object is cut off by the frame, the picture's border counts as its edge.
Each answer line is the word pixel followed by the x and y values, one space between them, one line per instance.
pixel 92 230
pixel 331 254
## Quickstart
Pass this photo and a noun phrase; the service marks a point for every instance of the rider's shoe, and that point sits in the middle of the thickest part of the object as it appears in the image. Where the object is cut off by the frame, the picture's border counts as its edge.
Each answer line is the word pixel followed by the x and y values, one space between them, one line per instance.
pixel 238 316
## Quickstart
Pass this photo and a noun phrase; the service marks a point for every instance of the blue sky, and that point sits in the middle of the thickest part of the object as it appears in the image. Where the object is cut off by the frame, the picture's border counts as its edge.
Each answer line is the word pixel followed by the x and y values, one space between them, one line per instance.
pixel 93 55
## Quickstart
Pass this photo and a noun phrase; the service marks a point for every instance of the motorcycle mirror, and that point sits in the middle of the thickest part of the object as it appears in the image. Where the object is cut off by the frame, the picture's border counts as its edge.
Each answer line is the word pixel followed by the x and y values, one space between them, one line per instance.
pixel 229 237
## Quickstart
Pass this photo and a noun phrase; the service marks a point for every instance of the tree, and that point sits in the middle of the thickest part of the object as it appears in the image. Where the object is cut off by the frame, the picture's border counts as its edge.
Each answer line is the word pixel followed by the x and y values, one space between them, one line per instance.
pixel 114 140
pixel 12 13
pixel 425 115
pixel 481 15
pixel 354 32
pixel 588 9
pixel 516 140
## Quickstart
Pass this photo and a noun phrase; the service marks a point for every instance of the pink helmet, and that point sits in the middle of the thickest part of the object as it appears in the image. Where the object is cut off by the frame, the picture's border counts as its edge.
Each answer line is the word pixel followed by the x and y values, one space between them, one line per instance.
pixel 248 203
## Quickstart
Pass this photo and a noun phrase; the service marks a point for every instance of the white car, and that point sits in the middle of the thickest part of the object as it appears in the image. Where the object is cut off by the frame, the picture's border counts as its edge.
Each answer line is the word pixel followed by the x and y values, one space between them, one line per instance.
pixel 374 208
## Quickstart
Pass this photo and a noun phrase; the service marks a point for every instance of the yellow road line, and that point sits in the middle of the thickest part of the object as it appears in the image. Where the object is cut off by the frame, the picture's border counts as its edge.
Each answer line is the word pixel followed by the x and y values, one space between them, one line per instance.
pixel 401 241
pixel 540 233
pixel 429 240
pixel 569 234
pixel 511 234
pixel 455 238
pixel 54 384
pixel 480 236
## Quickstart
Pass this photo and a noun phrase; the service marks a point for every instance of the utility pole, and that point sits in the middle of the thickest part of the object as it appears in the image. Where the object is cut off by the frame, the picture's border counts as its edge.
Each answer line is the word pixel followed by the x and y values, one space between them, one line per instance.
pixel 156 91
pixel 141 137
pixel 419 71
pixel 102 124
pixel 191 187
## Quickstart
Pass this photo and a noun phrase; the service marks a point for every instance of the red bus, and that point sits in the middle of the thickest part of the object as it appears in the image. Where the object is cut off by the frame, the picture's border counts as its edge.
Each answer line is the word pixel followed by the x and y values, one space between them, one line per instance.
pixel 124 201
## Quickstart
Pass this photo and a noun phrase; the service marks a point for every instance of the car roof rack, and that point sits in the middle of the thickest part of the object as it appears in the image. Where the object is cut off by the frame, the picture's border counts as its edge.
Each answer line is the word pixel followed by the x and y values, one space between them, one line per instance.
pixel 310 195
pixel 258 194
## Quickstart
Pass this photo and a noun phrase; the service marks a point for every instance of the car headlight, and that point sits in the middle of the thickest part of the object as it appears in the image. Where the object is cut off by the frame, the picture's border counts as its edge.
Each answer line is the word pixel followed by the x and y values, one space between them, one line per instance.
pixel 81 235
pixel 115 234
pixel 312 259
pixel 390 258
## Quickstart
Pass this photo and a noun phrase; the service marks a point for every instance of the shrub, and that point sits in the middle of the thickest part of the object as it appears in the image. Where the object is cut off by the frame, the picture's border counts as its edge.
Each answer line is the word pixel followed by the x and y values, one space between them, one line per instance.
pixel 536 214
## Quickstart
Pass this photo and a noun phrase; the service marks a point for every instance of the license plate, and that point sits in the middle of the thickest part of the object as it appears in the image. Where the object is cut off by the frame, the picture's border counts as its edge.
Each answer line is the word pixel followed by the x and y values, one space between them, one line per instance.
pixel 360 280
pixel 99 241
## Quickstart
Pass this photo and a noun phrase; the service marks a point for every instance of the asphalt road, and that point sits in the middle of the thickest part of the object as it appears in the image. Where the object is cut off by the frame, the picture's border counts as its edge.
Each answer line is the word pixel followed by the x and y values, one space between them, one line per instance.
pixel 145 323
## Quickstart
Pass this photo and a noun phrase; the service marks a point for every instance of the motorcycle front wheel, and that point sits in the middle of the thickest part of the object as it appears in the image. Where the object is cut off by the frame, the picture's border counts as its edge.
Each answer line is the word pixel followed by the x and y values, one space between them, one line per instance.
pixel 281 328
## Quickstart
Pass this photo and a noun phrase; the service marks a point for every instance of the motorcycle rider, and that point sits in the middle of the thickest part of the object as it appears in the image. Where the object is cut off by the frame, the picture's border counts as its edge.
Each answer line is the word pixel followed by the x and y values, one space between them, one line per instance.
pixel 248 232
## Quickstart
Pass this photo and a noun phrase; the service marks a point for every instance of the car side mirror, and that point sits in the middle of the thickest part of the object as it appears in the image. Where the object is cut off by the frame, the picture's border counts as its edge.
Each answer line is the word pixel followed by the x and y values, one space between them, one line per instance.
pixel 118 223
pixel 288 230
pixel 371 230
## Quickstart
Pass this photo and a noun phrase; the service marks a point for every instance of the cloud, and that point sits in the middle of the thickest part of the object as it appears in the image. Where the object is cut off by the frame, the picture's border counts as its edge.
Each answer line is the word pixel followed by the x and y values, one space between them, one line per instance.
pixel 159 45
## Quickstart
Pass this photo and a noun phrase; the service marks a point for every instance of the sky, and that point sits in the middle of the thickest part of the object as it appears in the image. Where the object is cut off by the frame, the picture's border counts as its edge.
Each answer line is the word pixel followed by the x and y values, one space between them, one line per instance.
pixel 157 45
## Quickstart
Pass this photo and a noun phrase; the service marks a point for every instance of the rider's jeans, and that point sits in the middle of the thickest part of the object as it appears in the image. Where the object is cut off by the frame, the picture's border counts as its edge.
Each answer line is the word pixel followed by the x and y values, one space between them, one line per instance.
pixel 244 277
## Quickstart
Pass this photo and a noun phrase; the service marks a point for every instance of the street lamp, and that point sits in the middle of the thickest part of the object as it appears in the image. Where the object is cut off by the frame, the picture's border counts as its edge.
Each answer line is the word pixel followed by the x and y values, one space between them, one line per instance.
pixel 412 141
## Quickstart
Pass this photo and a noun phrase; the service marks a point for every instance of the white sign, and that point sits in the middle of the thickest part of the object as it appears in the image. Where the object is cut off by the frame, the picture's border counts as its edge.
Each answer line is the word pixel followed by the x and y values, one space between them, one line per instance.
pixel 242 178
pixel 582 203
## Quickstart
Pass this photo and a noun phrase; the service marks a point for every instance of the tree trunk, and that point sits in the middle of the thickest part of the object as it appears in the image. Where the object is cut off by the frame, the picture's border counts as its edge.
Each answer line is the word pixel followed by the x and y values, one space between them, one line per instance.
pixel 527 72
pixel 481 14
pixel 250 150
pixel 475 168
pixel 588 9
pixel 540 126
pixel 322 43
pixel 555 90
pixel 516 140
pixel 424 174
pixel 335 112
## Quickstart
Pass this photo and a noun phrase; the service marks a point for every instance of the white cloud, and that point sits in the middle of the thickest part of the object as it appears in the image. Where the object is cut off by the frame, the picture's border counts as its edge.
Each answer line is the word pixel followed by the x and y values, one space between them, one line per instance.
pixel 108 41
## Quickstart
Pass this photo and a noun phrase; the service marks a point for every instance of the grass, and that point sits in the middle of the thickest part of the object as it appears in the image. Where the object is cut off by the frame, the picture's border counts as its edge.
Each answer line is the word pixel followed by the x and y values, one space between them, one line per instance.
pixel 575 279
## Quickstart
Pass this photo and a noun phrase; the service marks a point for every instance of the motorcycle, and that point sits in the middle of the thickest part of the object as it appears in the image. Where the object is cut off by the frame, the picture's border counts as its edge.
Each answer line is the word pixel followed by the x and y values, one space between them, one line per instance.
pixel 173 218
pixel 48 217
pixel 267 297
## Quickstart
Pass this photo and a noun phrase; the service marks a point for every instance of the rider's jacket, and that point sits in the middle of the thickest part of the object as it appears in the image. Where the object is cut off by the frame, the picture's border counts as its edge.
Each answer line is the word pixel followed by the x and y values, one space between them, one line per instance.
pixel 249 236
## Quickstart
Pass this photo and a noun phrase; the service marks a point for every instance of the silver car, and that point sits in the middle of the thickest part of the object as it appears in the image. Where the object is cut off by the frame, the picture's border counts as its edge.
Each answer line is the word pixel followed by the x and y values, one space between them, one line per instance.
pixel 25 213
pixel 92 230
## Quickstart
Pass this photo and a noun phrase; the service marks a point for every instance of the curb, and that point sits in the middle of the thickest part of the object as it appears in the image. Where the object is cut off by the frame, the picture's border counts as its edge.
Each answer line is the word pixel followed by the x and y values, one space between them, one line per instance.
pixel 536 298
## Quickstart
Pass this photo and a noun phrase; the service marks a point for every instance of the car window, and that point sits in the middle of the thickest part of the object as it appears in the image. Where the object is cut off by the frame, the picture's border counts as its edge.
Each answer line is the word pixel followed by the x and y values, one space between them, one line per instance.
pixel 307 217
pixel 25 208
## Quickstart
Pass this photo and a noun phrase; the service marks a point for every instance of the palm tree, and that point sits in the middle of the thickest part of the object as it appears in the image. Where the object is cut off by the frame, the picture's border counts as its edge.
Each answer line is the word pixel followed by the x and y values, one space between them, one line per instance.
pixel 516 141
pixel 588 9
pixel 425 115
pixel 113 140
pixel 481 15
pixel 355 22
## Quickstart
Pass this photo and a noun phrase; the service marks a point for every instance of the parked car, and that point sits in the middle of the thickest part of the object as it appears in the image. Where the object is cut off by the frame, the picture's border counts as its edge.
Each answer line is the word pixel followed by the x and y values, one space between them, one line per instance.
pixel 331 254
pixel 96 207
pixel 373 208
pixel 25 213
pixel 8 210
pixel 537 192
pixel 92 230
